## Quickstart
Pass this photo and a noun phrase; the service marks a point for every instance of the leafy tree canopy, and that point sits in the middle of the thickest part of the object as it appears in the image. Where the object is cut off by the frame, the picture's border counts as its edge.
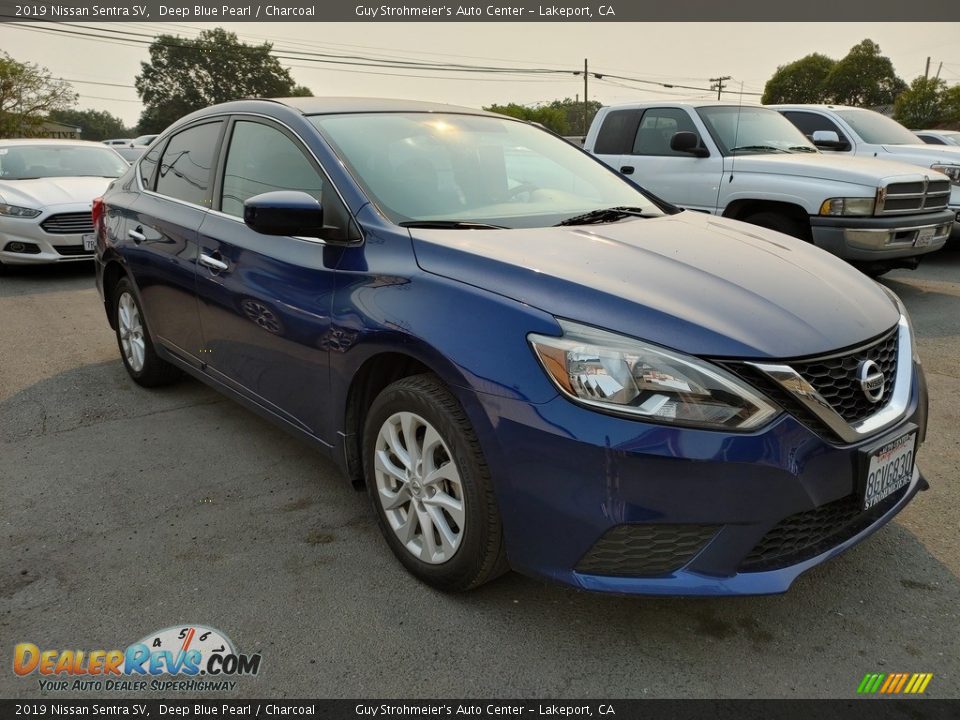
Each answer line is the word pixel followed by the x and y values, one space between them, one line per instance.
pixel 864 77
pixel 921 106
pixel 564 117
pixel 94 124
pixel 28 93
pixel 187 74
pixel 801 81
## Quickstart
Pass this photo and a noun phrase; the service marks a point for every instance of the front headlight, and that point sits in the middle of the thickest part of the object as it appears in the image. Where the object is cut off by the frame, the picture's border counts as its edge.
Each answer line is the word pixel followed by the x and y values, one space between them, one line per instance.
pixel 848 206
pixel 624 376
pixel 951 171
pixel 18 212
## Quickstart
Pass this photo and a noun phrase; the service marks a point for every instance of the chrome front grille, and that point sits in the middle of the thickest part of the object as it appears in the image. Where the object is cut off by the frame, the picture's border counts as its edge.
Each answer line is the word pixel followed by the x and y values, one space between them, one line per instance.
pixel 914 197
pixel 835 378
pixel 68 224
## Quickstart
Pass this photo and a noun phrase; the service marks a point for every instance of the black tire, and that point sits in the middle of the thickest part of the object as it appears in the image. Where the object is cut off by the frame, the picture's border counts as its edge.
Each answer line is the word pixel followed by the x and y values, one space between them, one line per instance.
pixel 781 223
pixel 480 556
pixel 155 371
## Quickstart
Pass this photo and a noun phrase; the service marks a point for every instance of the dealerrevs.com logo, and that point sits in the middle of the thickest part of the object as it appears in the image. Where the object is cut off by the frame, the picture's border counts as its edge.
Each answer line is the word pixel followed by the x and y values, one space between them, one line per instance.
pixel 186 658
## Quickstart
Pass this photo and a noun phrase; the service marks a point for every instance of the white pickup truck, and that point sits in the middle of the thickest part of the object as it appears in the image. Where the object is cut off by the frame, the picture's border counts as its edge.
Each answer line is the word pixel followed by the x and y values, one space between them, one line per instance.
pixel 858 132
pixel 749 163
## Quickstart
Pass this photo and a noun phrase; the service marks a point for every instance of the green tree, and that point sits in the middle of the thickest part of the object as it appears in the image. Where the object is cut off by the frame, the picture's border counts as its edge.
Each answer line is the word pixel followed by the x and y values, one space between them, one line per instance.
pixel 187 74
pixel 94 124
pixel 28 93
pixel 573 111
pixel 801 81
pixel 950 107
pixel 550 117
pixel 921 106
pixel 863 77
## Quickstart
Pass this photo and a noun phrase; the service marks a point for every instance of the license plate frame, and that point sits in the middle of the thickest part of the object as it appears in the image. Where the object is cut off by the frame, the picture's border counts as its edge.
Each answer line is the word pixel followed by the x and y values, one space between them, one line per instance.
pixel 872 486
pixel 89 242
pixel 924 237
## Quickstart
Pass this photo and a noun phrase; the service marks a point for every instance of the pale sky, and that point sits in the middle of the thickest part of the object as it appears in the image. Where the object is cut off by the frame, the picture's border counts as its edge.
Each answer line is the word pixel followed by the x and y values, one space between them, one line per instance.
pixel 677 53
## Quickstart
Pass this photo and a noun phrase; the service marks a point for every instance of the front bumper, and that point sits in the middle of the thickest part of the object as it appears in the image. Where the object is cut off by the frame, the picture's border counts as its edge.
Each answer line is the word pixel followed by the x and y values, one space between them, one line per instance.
pixel 566 476
pixel 44 248
pixel 882 238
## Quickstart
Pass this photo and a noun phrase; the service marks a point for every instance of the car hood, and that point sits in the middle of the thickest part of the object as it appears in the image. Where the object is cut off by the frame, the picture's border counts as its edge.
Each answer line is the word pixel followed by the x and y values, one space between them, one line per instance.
pixel 863 171
pixel 703 285
pixel 925 154
pixel 43 192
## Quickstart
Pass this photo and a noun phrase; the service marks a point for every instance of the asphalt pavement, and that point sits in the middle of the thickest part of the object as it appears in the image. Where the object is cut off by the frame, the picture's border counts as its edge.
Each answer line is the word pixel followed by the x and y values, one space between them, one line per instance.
pixel 124 511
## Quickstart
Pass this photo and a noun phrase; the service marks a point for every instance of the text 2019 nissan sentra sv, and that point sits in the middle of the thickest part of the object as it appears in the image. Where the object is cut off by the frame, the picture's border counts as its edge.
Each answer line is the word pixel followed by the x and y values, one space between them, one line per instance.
pixel 530 362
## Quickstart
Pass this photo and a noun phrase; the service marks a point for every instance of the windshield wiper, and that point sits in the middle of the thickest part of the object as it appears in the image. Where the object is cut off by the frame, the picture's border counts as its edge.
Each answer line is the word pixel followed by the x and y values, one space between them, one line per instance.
pixel 451 225
pixel 768 148
pixel 803 148
pixel 605 215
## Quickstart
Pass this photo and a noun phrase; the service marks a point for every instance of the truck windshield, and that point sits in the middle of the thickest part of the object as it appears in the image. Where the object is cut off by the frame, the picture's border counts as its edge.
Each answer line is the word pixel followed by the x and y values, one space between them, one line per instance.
pixel 458 171
pixel 749 129
pixel 878 129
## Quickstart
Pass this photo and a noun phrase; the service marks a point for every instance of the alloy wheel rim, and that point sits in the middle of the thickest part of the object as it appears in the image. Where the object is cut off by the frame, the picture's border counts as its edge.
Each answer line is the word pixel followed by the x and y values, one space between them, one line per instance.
pixel 419 488
pixel 130 327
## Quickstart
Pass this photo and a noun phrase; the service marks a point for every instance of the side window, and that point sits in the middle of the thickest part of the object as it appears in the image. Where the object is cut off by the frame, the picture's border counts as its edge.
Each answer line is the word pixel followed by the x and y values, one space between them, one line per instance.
pixel 148 167
pixel 617 132
pixel 262 159
pixel 656 129
pixel 809 123
pixel 186 167
pixel 931 140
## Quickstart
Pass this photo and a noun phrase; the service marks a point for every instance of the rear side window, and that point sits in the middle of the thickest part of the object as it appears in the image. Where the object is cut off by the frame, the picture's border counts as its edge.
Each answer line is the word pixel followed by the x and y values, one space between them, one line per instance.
pixel 809 123
pixel 617 132
pixel 263 159
pixel 186 167
pixel 148 167
pixel 657 128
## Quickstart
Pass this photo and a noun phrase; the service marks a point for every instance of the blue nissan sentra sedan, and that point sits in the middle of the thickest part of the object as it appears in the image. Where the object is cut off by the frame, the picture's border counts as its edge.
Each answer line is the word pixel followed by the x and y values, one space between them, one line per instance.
pixel 528 361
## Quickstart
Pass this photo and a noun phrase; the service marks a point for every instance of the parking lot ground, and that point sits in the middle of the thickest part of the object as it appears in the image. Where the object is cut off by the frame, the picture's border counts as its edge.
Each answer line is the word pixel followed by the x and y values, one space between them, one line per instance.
pixel 124 511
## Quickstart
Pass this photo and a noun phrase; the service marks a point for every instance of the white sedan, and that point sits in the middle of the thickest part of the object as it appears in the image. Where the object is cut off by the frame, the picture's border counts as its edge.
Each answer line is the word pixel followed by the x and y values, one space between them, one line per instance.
pixel 47 189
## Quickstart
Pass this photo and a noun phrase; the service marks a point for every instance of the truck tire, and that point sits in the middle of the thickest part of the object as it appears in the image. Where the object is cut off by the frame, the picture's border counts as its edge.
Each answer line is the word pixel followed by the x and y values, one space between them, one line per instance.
pixel 779 222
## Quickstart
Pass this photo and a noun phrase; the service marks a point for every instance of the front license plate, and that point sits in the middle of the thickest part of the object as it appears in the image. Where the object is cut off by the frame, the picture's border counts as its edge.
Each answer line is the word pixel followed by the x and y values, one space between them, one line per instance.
pixel 89 243
pixel 890 468
pixel 924 237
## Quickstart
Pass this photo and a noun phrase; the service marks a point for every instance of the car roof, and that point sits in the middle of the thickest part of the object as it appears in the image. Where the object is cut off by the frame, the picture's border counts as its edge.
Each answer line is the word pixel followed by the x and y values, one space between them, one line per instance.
pixel 341 105
pixel 49 141
pixel 690 102
pixel 818 106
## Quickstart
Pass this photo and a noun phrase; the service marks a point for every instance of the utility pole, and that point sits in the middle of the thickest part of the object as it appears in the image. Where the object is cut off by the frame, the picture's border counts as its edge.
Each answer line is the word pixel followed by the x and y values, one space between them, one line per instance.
pixel 926 73
pixel 586 106
pixel 718 84
pixel 939 69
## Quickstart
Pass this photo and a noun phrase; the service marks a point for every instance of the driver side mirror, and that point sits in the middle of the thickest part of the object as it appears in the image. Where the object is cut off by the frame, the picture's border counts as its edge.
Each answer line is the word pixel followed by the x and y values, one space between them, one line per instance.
pixel 294 212
pixel 688 142
pixel 829 139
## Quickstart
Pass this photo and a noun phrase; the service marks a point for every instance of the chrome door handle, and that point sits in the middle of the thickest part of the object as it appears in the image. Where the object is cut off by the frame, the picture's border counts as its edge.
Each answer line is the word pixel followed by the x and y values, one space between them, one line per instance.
pixel 213 263
pixel 136 236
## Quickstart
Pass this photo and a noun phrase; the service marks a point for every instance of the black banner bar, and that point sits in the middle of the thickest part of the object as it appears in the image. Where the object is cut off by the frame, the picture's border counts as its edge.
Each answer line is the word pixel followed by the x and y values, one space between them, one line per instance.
pixel 822 11
pixel 854 709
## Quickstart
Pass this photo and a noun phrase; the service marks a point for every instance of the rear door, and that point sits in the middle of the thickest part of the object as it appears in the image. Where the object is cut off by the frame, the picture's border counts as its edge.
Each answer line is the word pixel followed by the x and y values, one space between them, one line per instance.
pixel 265 301
pixel 160 246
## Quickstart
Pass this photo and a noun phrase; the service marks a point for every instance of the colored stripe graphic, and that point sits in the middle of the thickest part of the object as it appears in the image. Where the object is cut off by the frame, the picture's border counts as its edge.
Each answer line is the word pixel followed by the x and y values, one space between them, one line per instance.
pixel 894 683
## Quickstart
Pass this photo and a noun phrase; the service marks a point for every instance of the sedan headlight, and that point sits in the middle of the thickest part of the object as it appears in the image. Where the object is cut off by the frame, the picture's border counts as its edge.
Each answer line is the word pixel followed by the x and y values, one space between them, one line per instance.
pixel 624 376
pixel 951 171
pixel 848 206
pixel 17 211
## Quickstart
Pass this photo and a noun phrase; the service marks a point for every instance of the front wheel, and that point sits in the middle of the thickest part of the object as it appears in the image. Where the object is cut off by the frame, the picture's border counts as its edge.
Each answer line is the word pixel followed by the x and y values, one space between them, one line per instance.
pixel 779 222
pixel 430 487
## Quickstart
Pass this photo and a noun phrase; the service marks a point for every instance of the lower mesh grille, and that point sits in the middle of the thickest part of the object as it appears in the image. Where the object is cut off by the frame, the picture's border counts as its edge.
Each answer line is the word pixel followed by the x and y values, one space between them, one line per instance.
pixel 645 550
pixel 72 250
pixel 811 532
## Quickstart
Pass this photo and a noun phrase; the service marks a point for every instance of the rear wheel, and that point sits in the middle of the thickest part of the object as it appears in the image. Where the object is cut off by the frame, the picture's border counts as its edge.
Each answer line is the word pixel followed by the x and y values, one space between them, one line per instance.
pixel 136 350
pixel 430 487
pixel 781 223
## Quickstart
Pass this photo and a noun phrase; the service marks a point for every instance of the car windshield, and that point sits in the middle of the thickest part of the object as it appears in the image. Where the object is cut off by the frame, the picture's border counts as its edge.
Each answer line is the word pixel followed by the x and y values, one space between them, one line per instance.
pixel 952 138
pixel 739 129
pixel 878 129
pixel 747 129
pixel 471 169
pixel 29 162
